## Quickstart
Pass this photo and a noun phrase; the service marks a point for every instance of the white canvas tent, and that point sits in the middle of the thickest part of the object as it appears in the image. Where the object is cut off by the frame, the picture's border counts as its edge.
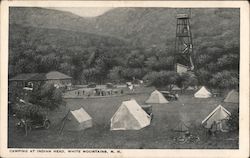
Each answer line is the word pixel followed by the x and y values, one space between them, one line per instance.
pixel 232 97
pixel 156 98
pixel 130 116
pixel 202 93
pixel 77 120
pixel 219 117
pixel 176 88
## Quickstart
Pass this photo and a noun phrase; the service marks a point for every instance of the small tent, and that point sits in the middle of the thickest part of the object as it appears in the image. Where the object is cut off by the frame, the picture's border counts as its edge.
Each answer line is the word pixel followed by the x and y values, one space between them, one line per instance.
pixel 156 98
pixel 232 97
pixel 77 120
pixel 181 127
pixel 130 116
pixel 176 88
pixel 202 93
pixel 218 117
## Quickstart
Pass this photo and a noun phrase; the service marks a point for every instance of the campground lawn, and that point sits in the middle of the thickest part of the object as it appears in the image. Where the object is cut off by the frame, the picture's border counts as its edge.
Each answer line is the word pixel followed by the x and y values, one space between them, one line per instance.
pixel 159 135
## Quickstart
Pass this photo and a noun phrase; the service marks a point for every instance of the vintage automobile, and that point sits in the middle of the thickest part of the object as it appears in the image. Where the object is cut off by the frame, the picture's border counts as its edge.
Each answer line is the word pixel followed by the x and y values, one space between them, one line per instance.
pixel 40 121
pixel 110 85
pixel 169 96
pixel 91 85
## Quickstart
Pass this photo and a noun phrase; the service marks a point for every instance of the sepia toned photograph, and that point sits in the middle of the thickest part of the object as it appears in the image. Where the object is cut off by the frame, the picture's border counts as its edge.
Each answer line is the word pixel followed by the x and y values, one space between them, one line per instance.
pixel 124 77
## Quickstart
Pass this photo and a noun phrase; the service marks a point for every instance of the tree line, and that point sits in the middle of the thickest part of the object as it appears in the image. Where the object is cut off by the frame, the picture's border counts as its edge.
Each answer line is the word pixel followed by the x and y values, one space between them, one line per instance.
pixel 91 58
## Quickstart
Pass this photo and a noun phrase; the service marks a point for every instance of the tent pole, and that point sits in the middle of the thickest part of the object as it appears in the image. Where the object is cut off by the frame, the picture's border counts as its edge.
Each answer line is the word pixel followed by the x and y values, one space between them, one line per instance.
pixel 64 119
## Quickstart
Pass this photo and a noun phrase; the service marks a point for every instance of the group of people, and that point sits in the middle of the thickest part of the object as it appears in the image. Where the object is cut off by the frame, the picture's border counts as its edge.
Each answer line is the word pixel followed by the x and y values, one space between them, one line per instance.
pixel 97 92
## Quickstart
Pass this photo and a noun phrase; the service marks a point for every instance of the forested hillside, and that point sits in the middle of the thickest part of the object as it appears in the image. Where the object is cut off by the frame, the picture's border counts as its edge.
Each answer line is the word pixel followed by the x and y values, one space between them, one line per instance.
pixel 124 43
pixel 41 50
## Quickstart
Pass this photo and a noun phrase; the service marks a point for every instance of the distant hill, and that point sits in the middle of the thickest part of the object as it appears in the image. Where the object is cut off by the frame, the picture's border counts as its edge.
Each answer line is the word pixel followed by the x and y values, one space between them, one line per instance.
pixel 144 26
pixel 157 25
pixel 47 18
pixel 60 38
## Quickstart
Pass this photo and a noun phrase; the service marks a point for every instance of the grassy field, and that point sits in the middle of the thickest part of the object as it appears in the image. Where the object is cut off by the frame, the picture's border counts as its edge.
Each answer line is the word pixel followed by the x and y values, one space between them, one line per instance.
pixel 159 135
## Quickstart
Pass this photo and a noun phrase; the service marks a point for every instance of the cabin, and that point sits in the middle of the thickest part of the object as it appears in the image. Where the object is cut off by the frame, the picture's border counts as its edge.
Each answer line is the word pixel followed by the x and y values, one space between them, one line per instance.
pixel 181 68
pixel 32 81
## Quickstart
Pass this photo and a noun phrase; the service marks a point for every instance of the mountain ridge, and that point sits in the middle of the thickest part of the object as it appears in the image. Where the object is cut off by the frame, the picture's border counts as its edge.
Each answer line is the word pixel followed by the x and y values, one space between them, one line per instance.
pixel 142 26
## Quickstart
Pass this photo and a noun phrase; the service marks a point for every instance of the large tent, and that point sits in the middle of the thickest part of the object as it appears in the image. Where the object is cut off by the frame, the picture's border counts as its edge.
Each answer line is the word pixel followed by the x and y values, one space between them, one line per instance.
pixel 130 116
pixel 156 98
pixel 202 93
pixel 232 97
pixel 217 117
pixel 77 120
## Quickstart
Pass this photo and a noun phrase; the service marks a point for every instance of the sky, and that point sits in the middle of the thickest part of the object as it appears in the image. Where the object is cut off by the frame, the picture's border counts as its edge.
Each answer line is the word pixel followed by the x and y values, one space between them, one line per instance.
pixel 84 12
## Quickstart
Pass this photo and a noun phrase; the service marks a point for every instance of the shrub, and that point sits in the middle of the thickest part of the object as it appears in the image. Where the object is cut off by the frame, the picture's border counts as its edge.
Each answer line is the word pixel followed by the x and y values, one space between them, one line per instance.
pixel 161 78
pixel 185 80
pixel 48 96
pixel 28 110
pixel 225 80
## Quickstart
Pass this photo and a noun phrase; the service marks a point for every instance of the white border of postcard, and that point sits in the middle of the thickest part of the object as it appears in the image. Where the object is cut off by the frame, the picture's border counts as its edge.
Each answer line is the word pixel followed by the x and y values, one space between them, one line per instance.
pixel 243 150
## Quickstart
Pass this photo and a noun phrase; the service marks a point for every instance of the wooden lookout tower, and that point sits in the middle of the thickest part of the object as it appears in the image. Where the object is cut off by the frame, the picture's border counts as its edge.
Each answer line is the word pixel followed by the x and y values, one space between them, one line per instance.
pixel 183 42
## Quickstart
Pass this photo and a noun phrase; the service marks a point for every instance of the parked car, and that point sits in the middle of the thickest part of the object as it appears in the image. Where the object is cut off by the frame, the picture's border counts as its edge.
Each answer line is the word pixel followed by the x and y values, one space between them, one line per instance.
pixel 169 95
pixel 91 85
pixel 40 121
pixel 110 85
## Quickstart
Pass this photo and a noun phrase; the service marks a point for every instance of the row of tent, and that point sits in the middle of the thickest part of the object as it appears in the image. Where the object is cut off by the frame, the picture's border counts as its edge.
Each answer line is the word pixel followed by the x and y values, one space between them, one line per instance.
pixel 232 96
pixel 217 120
pixel 158 98
pixel 131 116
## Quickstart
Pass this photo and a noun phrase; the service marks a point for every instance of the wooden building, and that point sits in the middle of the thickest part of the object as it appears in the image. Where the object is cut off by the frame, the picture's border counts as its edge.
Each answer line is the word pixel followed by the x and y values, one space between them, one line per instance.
pixel 32 81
